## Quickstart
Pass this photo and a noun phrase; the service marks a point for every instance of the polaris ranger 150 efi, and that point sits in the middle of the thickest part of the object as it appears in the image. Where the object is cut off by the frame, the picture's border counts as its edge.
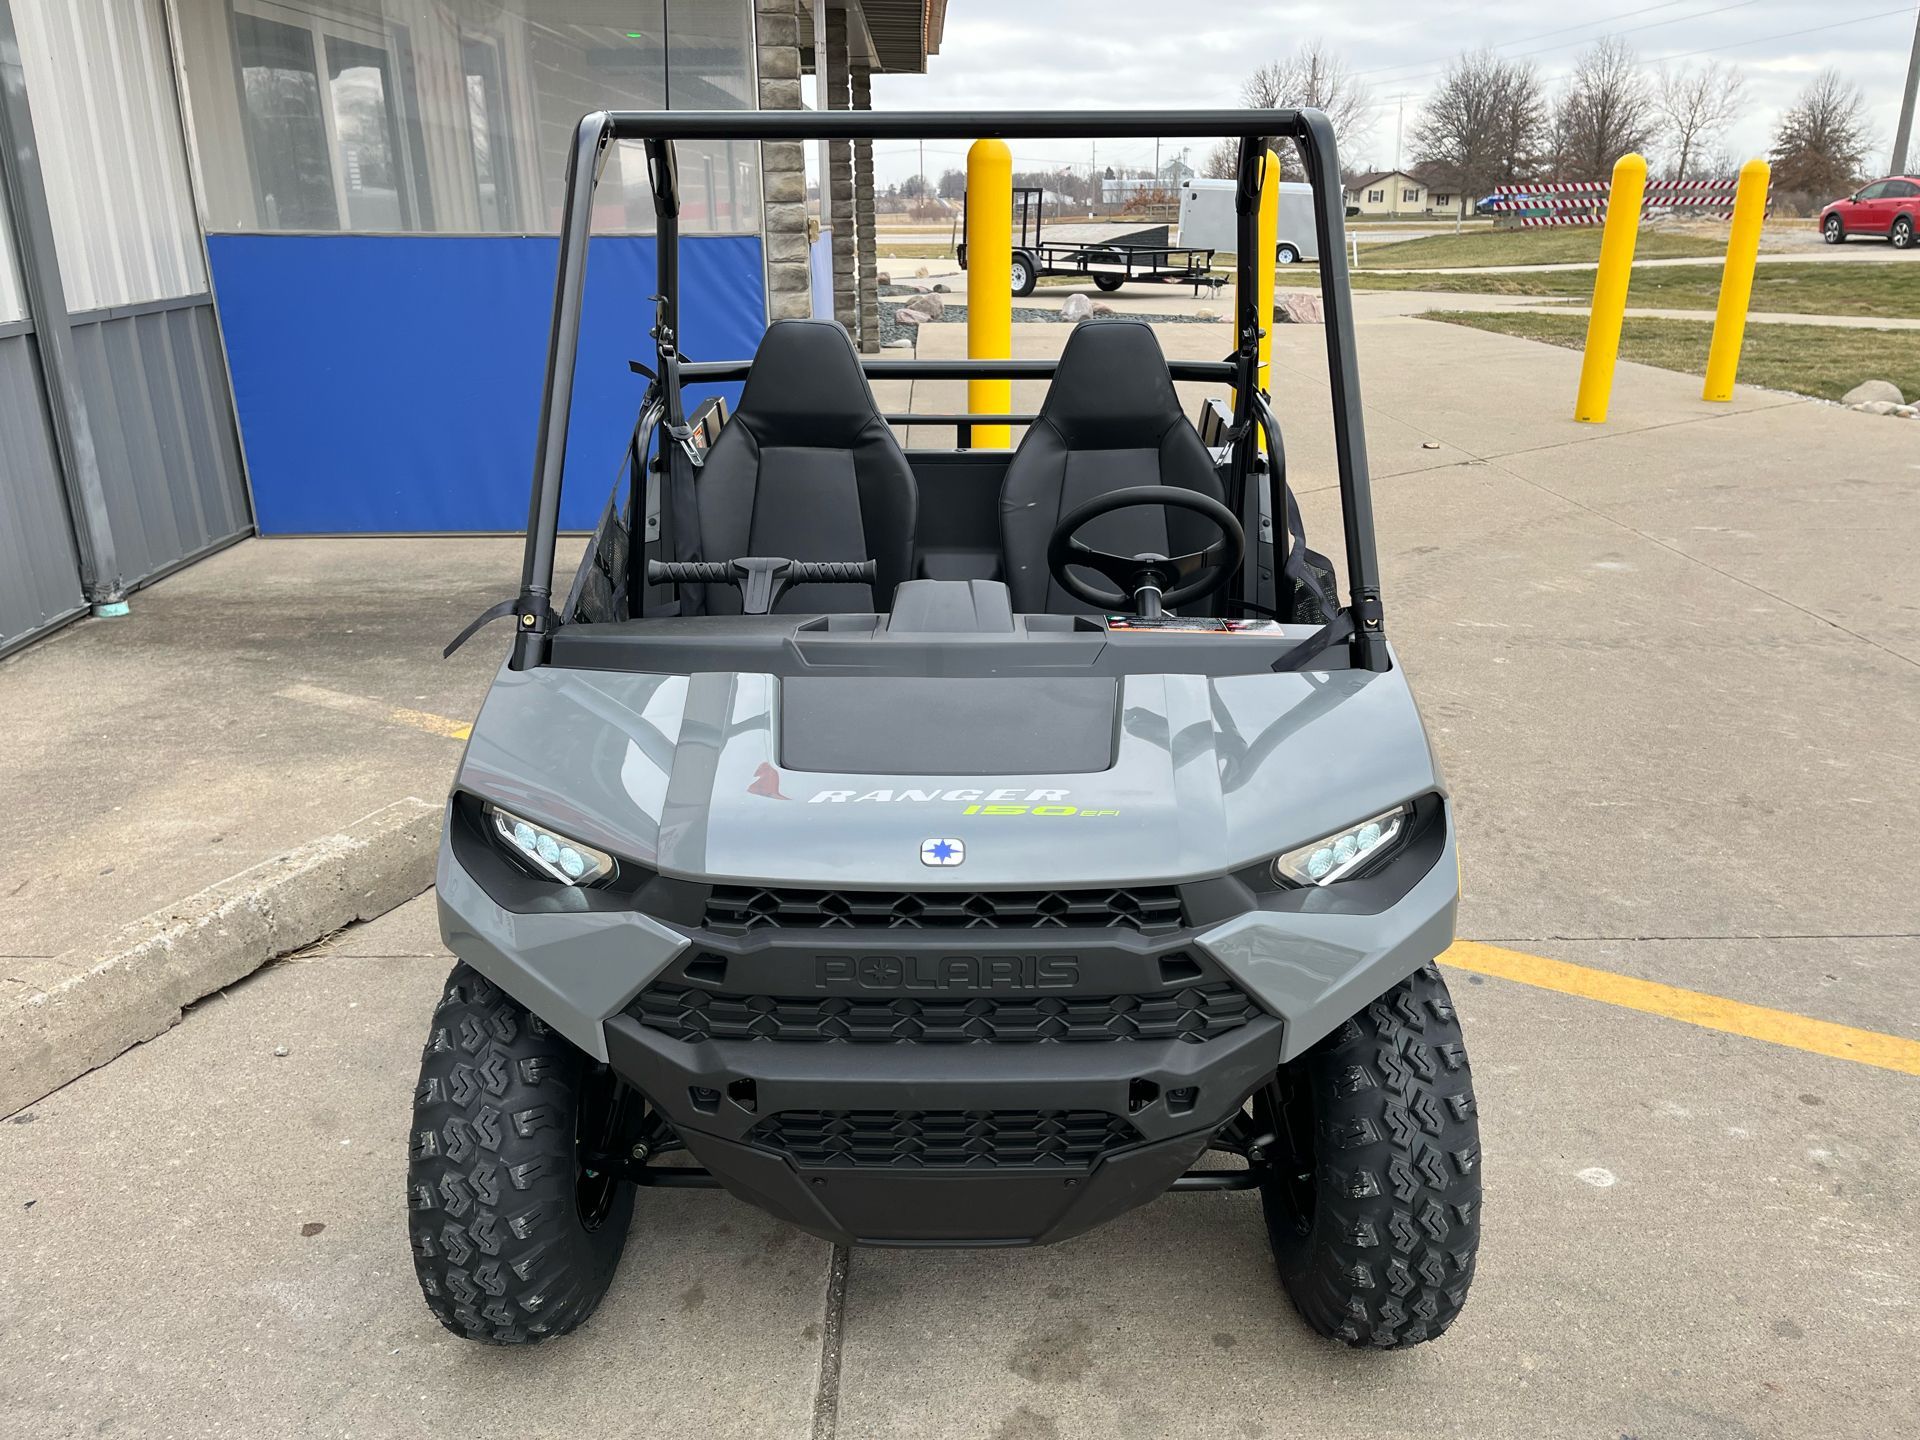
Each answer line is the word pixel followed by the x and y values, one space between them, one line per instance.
pixel 955 847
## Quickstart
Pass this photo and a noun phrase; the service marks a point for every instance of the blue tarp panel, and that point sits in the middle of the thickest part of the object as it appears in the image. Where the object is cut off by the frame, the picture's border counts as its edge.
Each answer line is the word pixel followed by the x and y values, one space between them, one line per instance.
pixel 392 383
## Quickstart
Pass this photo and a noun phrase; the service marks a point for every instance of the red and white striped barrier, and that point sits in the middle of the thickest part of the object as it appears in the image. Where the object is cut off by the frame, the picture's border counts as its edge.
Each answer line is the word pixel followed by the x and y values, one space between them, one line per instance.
pixel 1584 202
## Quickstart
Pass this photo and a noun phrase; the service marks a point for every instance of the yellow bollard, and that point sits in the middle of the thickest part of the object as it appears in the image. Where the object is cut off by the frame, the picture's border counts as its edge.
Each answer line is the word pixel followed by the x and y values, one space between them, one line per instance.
pixel 1736 280
pixel 1610 288
pixel 990 283
pixel 1269 243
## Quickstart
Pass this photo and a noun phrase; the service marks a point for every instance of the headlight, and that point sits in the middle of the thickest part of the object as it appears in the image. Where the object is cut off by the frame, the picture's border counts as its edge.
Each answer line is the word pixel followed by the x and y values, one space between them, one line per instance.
pixel 548 851
pixel 1340 854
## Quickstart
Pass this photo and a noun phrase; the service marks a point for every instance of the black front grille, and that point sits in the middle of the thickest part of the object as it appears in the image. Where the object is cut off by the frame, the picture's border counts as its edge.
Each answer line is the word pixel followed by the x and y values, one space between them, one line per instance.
pixel 738 909
pixel 944 1139
pixel 1196 1013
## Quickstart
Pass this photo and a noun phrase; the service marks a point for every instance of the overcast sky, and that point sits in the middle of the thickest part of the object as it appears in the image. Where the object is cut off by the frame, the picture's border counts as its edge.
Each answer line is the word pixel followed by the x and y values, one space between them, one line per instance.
pixel 1012 54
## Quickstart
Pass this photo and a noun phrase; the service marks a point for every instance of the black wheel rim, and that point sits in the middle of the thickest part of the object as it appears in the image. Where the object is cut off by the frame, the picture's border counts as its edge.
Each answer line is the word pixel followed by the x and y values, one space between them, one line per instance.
pixel 600 1127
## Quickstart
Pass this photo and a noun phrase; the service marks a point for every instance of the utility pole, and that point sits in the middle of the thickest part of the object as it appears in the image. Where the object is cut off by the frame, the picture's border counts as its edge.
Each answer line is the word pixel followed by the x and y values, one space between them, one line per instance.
pixel 923 171
pixel 1904 133
pixel 1156 160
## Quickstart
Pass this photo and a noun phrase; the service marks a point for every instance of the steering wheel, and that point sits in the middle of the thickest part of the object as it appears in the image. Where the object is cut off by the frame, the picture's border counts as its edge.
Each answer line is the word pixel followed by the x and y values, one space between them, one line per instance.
pixel 1148 582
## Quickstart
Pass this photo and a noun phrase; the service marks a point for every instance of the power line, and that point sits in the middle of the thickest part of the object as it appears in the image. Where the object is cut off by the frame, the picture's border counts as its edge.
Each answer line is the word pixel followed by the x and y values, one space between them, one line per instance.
pixel 1787 35
pixel 1563 44
pixel 1524 39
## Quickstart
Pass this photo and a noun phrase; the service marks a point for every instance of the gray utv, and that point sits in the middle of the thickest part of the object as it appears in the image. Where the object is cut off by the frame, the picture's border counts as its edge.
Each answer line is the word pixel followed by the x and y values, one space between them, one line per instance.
pixel 949 848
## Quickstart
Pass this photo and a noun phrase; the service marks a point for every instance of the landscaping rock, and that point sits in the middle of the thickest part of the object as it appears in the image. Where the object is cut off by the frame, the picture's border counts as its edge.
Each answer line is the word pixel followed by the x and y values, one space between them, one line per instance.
pixel 1870 390
pixel 1875 407
pixel 901 344
pixel 940 287
pixel 929 305
pixel 1297 307
pixel 883 278
pixel 1076 309
pixel 1101 307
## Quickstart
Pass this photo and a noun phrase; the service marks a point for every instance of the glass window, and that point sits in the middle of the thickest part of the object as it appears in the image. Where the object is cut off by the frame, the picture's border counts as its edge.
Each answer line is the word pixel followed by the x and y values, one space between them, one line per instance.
pixel 489 140
pixel 367 144
pixel 13 300
pixel 456 115
pixel 1901 189
pixel 100 88
pixel 285 125
pixel 1873 192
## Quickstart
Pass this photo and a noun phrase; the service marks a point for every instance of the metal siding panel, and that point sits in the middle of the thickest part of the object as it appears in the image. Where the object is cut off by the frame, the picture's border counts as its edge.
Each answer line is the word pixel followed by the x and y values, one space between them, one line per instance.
pixel 168 462
pixel 39 572
pixel 208 409
pixel 151 339
pixel 89 376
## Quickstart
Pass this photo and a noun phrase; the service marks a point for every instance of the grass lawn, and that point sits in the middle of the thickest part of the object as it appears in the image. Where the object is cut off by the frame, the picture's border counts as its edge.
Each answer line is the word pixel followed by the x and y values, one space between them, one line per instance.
pixel 1573 245
pixel 1817 360
pixel 1890 290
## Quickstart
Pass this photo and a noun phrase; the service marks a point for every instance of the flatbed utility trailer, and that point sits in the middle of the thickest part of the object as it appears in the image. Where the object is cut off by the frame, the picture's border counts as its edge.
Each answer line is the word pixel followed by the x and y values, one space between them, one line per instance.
pixel 1108 263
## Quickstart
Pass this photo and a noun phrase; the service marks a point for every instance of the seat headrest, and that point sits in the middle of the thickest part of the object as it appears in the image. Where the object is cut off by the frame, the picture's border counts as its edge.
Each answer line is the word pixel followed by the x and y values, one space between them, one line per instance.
pixel 1112 390
pixel 805 387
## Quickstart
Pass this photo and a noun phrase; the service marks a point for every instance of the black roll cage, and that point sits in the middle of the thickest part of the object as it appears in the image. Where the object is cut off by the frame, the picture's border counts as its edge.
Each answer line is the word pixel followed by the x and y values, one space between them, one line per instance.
pixel 1309 130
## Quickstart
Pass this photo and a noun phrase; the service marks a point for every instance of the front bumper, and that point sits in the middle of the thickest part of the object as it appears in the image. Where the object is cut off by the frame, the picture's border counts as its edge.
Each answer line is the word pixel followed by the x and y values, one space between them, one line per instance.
pixel 707 1087
pixel 942 1087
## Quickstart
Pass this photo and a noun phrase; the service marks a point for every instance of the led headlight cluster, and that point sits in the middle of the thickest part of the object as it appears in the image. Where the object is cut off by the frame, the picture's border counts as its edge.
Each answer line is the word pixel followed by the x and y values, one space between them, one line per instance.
pixel 548 851
pixel 1340 854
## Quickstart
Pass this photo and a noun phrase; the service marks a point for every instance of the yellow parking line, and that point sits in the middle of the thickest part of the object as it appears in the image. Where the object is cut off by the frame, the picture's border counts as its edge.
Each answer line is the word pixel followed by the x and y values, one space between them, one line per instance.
pixel 431 723
pixel 374 710
pixel 1713 1012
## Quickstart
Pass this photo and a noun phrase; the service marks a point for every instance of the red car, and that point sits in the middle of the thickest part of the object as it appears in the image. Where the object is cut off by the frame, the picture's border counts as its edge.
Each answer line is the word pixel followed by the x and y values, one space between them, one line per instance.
pixel 1889 207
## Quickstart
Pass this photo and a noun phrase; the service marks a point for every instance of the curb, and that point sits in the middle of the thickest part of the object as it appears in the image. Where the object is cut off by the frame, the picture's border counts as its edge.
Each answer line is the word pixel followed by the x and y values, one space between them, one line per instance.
pixel 80 1009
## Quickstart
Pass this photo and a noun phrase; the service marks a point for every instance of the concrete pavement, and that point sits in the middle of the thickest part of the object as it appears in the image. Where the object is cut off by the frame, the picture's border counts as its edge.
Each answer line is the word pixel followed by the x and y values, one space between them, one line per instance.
pixel 207 1238
pixel 1670 665
pixel 1415 302
pixel 1866 252
pixel 231 771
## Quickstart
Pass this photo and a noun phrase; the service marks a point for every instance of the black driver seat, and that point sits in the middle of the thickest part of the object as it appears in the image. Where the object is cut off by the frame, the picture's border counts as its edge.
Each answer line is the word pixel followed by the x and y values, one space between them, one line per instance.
pixel 806 469
pixel 1110 420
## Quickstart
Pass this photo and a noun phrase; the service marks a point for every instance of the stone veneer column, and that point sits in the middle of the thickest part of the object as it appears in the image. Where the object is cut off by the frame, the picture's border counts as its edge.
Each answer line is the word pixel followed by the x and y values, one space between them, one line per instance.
pixel 834 95
pixel 783 165
pixel 868 291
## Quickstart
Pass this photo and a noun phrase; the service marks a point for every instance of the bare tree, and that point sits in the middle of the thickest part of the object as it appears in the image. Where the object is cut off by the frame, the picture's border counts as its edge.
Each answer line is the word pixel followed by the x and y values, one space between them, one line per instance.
pixel 1485 124
pixel 1313 76
pixel 1606 110
pixel 1696 107
pixel 1223 161
pixel 1822 140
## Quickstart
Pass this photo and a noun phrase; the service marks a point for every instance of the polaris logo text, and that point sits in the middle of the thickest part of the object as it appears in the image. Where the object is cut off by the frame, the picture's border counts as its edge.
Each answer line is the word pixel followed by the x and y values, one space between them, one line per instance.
pixel 946 972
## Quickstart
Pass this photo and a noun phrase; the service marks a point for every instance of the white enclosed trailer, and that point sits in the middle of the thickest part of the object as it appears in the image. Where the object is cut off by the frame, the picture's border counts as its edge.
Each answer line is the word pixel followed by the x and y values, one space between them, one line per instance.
pixel 1207 219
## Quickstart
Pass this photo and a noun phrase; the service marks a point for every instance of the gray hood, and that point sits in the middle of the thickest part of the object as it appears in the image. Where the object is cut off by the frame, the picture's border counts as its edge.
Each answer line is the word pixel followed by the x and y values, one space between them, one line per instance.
pixel 684 773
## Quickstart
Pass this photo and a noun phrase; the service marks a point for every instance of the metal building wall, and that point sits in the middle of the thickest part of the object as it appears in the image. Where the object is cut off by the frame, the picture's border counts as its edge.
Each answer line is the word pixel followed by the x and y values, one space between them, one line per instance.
pixel 39 571
pixel 155 385
pixel 118 454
